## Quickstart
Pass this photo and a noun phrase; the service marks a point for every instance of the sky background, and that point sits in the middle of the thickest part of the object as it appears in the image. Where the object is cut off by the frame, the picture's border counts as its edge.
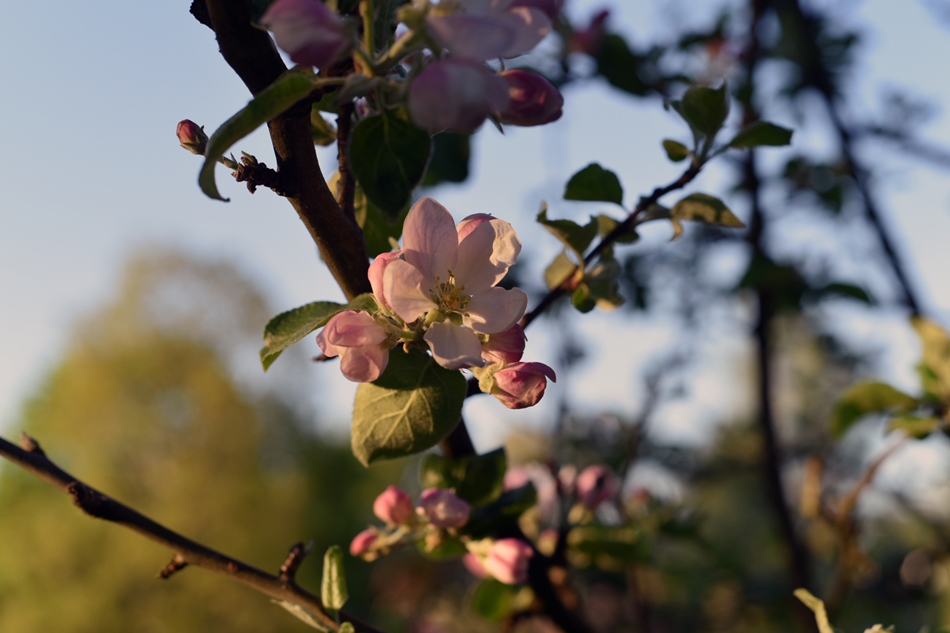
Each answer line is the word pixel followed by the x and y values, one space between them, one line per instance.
pixel 92 172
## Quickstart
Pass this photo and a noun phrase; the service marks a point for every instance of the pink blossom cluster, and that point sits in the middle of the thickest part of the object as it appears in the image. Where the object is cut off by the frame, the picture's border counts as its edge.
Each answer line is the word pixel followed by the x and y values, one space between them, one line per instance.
pixel 440 291
pixel 453 89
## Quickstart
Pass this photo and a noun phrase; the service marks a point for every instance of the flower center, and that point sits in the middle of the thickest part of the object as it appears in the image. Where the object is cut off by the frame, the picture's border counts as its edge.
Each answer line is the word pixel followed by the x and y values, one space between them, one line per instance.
pixel 449 297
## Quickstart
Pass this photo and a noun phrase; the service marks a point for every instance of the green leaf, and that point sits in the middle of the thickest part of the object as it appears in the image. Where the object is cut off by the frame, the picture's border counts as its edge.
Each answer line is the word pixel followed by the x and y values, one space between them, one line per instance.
pixel 333 588
pixel 602 282
pixel 700 207
pixel 762 133
pixel 287 90
pixel 624 543
pixel 935 370
pixel 388 156
pixel 915 426
pixel 816 605
pixel 287 328
pixel 493 599
pixel 848 291
pixel 596 184
pixel 675 151
pixel 451 152
pixel 619 65
pixel 478 479
pixel 582 300
pixel 570 233
pixel 705 109
pixel 606 224
pixel 302 614
pixel 323 132
pixel 410 408
pixel 559 271
pixel 510 505
pixel 864 398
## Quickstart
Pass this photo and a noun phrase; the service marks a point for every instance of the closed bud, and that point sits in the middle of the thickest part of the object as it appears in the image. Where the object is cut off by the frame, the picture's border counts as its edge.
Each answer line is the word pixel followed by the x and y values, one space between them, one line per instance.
pixel 521 385
pixel 443 508
pixel 507 561
pixel 393 506
pixel 363 542
pixel 505 347
pixel 455 94
pixel 308 31
pixel 192 137
pixel 533 100
pixel 595 485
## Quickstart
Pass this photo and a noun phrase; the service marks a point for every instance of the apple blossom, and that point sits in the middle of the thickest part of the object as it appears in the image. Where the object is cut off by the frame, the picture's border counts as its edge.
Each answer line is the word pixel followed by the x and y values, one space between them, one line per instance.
pixel 443 508
pixel 521 385
pixel 308 31
pixel 507 560
pixel 449 275
pixel 595 485
pixel 360 342
pixel 533 100
pixel 192 137
pixel 455 94
pixel 363 542
pixel 487 29
pixel 474 565
pixel 505 347
pixel 393 506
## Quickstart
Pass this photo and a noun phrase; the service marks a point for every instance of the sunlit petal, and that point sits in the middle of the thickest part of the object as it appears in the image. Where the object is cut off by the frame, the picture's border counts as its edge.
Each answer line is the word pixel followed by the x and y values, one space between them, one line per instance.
pixel 495 310
pixel 454 347
pixel 402 290
pixel 430 241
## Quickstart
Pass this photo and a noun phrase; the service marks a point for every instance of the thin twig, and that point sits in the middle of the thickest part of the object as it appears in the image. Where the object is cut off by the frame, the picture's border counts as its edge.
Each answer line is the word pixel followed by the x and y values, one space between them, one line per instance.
pixel 187 551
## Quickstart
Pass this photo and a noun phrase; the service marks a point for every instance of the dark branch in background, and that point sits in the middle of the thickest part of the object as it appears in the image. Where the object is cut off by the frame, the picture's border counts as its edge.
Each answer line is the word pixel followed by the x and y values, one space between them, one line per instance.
pixel 251 53
pixel 32 459
pixel 622 228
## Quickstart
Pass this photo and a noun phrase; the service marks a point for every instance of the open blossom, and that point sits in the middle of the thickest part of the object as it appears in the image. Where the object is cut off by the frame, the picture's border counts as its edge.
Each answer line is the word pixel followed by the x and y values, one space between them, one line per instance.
pixel 449 275
pixel 308 31
pixel 533 100
pixel 393 506
pixel 595 485
pixel 521 385
pixel 488 29
pixel 360 342
pixel 444 508
pixel 455 94
pixel 507 560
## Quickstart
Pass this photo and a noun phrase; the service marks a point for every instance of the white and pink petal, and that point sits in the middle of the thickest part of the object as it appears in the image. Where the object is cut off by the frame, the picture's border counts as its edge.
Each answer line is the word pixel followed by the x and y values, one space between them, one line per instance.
pixel 495 310
pixel 454 347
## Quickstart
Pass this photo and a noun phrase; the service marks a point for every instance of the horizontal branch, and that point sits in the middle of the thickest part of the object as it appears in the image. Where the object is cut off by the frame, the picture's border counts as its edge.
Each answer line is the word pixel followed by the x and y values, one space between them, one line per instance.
pixel 32 459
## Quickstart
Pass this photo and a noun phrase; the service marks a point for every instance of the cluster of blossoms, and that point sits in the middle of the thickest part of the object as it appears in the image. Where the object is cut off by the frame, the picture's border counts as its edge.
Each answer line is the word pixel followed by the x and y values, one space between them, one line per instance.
pixel 442 52
pixel 439 513
pixel 584 492
pixel 440 292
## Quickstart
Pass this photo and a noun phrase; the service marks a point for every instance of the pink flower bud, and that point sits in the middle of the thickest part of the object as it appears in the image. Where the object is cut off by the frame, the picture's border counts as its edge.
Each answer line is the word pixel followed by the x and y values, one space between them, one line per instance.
pixel 376 270
pixel 192 137
pixel 308 31
pixel 455 94
pixel 550 8
pixel 505 347
pixel 363 542
pixel 589 40
pixel 521 385
pixel 534 101
pixel 595 485
pixel 360 342
pixel 393 506
pixel 474 565
pixel 507 560
pixel 444 508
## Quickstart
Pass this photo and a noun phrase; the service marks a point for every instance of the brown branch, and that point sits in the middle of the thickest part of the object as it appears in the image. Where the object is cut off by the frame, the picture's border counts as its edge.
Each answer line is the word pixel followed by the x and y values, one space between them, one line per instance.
pixel 187 552
pixel 347 187
pixel 176 564
pixel 608 240
pixel 251 53
pixel 257 174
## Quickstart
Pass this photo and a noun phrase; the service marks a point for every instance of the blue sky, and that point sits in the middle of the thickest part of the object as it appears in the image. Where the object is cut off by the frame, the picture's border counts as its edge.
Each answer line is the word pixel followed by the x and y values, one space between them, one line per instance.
pixel 92 171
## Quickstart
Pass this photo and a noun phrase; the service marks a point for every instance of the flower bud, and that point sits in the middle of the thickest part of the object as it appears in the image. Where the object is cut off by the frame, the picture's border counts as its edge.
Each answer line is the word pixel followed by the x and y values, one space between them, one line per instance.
pixel 363 542
pixel 192 137
pixel 589 40
pixel 444 508
pixel 393 506
pixel 455 94
pixel 595 485
pixel 474 565
pixel 521 385
pixel 507 561
pixel 308 31
pixel 533 100
pixel 505 347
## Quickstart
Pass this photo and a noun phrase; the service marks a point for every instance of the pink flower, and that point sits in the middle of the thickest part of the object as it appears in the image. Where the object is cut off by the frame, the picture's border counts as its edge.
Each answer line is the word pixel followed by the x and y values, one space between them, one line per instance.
pixel 595 485
pixel 589 40
pixel 393 506
pixel 192 137
pixel 449 275
pixel 507 560
pixel 376 270
pixel 487 29
pixel 474 565
pixel 505 347
pixel 308 31
pixel 455 94
pixel 360 342
pixel 534 101
pixel 521 385
pixel 444 508
pixel 363 542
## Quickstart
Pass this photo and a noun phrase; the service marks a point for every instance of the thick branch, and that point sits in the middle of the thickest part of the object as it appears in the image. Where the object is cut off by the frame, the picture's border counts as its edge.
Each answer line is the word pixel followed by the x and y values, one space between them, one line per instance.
pixel 187 552
pixel 251 53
